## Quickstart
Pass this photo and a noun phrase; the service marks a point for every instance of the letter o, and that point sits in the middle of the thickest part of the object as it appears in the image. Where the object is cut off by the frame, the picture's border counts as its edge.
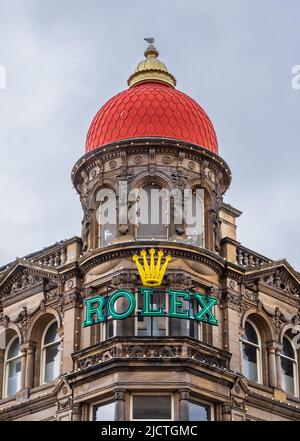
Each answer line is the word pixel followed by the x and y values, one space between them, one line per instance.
pixel 111 304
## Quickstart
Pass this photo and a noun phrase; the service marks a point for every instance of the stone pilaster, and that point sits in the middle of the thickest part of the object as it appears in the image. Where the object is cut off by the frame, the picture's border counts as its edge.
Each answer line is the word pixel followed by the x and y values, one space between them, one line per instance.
pixel 76 412
pixel 278 350
pixel 30 365
pixel 119 395
pixel 272 364
pixel 226 412
pixel 23 366
pixel 184 405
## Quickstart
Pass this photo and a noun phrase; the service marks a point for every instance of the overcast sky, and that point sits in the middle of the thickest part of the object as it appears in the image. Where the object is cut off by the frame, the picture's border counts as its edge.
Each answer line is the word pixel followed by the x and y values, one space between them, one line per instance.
pixel 65 58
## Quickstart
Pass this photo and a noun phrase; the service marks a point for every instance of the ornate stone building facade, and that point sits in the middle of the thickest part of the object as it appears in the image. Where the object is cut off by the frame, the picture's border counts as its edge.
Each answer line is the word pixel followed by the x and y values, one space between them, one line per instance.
pixel 246 368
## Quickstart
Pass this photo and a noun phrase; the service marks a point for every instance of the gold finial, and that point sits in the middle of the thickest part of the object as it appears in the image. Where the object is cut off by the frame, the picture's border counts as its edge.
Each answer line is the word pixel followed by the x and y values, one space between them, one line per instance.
pixel 151 69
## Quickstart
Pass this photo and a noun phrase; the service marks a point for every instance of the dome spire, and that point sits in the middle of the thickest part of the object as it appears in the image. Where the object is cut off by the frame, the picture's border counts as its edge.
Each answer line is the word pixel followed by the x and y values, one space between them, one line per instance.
pixel 151 69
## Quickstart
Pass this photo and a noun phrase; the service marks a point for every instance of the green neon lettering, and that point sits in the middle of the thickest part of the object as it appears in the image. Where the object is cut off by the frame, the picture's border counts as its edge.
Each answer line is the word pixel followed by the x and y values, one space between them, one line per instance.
pixel 94 310
pixel 111 304
pixel 205 314
pixel 147 302
pixel 176 302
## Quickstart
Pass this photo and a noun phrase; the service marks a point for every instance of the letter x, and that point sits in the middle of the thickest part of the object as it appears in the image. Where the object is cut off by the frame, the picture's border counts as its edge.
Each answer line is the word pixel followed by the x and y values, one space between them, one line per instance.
pixel 205 310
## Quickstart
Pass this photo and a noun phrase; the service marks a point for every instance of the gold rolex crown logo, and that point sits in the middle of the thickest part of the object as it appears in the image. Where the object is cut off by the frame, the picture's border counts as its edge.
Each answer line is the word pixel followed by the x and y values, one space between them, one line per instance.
pixel 151 274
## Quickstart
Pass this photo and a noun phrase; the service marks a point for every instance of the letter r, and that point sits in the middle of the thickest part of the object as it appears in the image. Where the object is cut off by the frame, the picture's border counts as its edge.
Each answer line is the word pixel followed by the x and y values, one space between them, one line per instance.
pixel 94 307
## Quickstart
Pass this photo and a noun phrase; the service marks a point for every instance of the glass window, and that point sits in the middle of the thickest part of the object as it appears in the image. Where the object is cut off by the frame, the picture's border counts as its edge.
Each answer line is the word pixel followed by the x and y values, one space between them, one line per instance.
pixel 152 213
pixel 194 217
pixel 251 353
pixel 198 412
pixel 152 407
pixel 104 412
pixel 152 326
pixel 13 368
pixel 289 367
pixel 51 353
pixel 186 327
pixel 106 216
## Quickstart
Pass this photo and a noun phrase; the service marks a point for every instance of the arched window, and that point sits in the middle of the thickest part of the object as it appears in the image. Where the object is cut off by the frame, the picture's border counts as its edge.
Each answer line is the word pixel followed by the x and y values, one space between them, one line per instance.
pixel 194 216
pixel 13 363
pixel 106 216
pixel 251 353
pixel 50 353
pixel 289 368
pixel 152 212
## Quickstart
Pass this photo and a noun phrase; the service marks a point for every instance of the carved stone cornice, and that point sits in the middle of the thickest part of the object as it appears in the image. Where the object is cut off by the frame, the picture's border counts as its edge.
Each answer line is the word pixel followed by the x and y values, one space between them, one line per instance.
pixel 127 249
pixel 24 278
pixel 178 348
pixel 135 146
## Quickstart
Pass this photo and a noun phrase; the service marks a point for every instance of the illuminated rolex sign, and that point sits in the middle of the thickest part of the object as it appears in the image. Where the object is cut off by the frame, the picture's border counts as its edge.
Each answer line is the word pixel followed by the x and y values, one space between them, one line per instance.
pixel 99 308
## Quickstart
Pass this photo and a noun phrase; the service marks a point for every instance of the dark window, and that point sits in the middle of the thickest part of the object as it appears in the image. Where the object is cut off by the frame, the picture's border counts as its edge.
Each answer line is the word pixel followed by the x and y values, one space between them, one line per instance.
pixel 155 407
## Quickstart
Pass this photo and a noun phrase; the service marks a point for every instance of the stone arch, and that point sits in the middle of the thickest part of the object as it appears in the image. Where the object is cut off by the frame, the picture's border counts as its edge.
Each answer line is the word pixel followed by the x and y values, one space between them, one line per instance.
pixel 287 328
pixel 144 177
pixel 262 321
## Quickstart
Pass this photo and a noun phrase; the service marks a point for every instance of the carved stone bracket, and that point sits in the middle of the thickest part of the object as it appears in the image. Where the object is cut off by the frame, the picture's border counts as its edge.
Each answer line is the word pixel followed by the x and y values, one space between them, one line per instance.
pixel 179 280
pixel 123 279
pixel 234 300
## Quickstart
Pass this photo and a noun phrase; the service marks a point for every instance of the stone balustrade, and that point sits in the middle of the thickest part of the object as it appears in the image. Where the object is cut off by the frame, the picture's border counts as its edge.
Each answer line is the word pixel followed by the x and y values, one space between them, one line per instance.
pixel 248 259
pixel 56 258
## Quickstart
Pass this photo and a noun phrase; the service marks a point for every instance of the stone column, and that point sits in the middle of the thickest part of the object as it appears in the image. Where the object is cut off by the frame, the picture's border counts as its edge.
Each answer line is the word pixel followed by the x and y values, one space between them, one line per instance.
pixel 23 366
pixel 184 414
pixel 278 351
pixel 76 411
pixel 226 412
pixel 119 404
pixel 272 364
pixel 30 366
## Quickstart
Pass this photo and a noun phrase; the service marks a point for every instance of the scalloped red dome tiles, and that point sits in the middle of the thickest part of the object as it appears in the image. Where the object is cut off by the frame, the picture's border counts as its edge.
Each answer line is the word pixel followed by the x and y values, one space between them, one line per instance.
pixel 151 110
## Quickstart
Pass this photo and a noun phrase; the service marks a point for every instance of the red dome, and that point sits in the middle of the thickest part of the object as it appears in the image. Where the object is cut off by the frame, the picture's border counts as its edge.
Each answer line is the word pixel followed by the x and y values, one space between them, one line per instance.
pixel 151 110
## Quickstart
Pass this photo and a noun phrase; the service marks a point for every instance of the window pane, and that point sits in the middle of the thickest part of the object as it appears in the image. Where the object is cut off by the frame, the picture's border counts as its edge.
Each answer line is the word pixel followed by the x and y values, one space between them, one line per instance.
pixel 107 233
pixel 52 360
pixel 152 208
pixel 194 218
pixel 51 334
pixel 287 369
pixel 152 407
pixel 250 334
pixel 110 328
pixel 198 412
pixel 13 376
pixel 179 327
pixel 288 350
pixel 14 349
pixel 104 412
pixel 152 326
pixel 250 362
